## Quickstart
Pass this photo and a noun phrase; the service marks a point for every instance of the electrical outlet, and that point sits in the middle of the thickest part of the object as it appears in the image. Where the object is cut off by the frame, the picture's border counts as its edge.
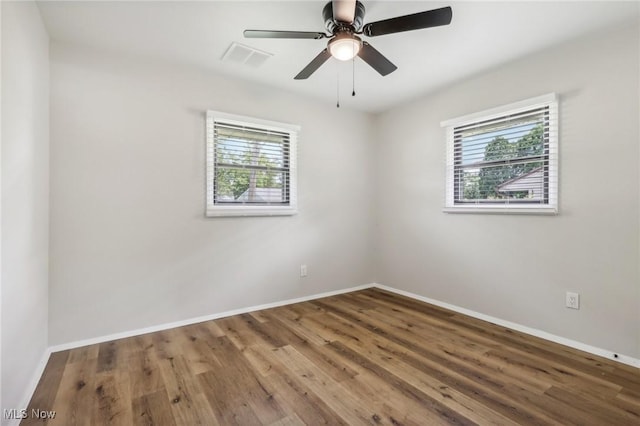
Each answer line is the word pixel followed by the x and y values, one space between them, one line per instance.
pixel 303 270
pixel 573 300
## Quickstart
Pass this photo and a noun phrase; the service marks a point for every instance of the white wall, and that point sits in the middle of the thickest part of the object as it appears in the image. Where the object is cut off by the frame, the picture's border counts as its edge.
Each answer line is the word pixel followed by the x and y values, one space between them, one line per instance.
pixel 25 197
pixel 130 246
pixel 1 406
pixel 518 268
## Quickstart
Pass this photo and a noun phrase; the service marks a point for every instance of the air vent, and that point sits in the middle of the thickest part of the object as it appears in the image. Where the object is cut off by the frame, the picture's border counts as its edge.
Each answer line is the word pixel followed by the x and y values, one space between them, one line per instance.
pixel 242 54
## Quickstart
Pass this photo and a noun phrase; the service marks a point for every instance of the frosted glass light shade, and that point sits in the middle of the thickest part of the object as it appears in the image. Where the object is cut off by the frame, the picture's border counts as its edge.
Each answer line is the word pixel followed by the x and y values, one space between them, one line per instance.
pixel 345 48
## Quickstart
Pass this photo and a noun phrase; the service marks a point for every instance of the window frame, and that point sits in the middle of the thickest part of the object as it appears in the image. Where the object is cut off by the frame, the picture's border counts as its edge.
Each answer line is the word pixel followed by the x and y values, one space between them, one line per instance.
pixel 551 187
pixel 228 209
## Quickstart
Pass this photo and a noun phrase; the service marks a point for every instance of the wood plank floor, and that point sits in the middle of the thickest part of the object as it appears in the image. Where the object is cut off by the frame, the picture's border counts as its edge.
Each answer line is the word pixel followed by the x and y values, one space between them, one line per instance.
pixel 368 357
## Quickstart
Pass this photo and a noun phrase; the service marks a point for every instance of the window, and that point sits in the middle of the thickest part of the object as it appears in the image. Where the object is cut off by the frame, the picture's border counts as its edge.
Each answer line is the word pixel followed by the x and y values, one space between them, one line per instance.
pixel 505 159
pixel 251 166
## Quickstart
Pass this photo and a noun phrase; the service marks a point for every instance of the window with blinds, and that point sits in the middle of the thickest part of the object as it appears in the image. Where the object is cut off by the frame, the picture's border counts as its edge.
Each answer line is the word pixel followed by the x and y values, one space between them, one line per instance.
pixel 251 166
pixel 504 159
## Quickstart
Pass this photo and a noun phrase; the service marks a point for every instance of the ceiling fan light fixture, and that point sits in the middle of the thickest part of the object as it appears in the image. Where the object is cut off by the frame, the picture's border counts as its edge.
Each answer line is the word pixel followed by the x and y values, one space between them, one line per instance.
pixel 344 19
pixel 345 47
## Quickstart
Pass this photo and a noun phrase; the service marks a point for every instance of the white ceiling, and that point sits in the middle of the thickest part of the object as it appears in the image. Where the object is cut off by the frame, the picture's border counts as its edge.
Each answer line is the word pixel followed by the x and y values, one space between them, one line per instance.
pixel 482 35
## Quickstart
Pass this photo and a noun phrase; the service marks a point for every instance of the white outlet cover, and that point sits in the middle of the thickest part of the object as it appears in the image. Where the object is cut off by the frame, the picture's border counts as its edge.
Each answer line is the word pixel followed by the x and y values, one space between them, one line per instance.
pixel 572 300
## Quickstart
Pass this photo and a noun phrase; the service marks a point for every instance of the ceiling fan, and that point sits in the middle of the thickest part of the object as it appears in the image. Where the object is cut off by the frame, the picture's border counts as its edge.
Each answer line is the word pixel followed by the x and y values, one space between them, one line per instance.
pixel 344 21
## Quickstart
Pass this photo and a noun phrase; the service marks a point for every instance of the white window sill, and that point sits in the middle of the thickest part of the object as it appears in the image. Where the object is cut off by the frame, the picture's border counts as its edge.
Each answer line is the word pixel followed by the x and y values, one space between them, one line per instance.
pixel 249 211
pixel 503 210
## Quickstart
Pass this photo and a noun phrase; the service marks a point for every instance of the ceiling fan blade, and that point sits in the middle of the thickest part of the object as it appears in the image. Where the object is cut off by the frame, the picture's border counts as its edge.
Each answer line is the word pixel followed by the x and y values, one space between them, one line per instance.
pixel 284 34
pixel 416 21
pixel 376 59
pixel 313 65
pixel 344 10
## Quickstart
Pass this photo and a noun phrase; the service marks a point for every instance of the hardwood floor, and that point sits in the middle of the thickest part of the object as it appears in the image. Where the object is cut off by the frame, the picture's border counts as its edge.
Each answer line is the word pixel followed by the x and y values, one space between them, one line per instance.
pixel 368 357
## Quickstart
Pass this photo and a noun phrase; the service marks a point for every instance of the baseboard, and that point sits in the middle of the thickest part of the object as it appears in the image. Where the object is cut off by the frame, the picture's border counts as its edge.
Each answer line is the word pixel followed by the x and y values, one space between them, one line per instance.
pixel 35 379
pixel 166 326
pixel 624 359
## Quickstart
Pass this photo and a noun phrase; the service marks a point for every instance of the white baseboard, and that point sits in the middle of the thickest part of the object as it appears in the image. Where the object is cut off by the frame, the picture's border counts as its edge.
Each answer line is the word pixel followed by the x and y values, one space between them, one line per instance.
pixel 35 379
pixel 166 326
pixel 624 359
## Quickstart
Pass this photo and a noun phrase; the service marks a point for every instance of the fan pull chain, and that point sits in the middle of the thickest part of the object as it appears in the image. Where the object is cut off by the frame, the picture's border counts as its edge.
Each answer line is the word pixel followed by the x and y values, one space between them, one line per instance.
pixel 353 75
pixel 337 87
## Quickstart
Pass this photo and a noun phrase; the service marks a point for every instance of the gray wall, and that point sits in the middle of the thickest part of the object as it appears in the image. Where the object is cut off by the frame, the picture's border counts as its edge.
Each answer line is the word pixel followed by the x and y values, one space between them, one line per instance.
pixel 130 246
pixel 518 268
pixel 25 197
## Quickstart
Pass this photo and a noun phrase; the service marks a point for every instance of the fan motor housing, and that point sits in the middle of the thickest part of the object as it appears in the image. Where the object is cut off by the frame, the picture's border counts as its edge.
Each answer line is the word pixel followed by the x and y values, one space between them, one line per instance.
pixel 333 25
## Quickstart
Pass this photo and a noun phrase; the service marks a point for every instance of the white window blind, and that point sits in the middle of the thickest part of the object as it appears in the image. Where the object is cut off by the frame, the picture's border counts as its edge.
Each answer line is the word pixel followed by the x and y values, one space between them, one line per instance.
pixel 251 166
pixel 504 160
